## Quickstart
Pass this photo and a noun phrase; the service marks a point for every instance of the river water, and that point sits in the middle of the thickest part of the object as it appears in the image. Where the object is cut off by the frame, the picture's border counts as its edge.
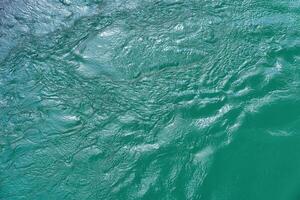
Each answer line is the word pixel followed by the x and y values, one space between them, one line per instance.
pixel 148 99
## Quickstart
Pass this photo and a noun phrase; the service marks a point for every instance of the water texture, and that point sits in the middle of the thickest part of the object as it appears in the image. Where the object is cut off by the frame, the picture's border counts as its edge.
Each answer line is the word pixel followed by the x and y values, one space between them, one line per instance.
pixel 148 99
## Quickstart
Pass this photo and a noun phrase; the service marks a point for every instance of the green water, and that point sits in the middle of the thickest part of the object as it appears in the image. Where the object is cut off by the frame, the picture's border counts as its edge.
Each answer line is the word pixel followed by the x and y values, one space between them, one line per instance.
pixel 148 99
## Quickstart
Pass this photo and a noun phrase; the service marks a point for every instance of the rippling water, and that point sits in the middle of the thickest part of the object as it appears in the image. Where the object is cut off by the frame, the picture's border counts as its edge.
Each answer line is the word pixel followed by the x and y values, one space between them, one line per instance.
pixel 148 99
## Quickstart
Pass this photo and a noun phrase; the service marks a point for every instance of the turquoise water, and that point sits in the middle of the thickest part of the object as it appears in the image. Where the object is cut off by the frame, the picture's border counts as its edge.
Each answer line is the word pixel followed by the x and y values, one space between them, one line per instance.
pixel 141 99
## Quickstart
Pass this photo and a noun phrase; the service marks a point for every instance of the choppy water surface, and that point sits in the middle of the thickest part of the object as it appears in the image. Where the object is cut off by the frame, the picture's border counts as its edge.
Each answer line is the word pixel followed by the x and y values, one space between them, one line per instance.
pixel 146 99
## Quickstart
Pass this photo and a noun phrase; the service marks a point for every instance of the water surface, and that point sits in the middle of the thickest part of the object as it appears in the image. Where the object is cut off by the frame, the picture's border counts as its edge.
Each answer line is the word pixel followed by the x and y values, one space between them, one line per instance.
pixel 148 99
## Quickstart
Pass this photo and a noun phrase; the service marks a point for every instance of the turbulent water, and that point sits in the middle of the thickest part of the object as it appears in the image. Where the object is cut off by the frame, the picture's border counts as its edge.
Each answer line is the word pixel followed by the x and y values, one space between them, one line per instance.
pixel 148 99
